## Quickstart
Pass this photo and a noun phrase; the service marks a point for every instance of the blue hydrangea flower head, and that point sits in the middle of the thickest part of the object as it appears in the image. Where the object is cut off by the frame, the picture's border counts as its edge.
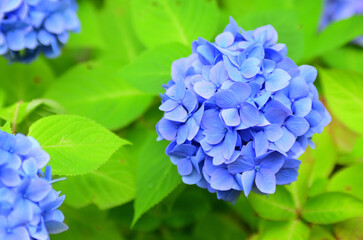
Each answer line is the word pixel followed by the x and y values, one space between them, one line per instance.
pixel 335 10
pixel 28 203
pixel 31 27
pixel 238 113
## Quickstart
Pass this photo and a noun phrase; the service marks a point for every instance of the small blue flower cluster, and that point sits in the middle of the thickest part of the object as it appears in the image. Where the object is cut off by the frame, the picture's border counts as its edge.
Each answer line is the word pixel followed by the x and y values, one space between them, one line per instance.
pixel 335 10
pixel 239 113
pixel 29 27
pixel 28 203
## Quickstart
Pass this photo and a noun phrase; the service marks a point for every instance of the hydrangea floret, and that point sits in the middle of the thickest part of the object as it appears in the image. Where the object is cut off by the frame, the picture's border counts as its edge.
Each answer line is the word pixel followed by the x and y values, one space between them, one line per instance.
pixel 335 10
pixel 28 203
pixel 31 27
pixel 239 112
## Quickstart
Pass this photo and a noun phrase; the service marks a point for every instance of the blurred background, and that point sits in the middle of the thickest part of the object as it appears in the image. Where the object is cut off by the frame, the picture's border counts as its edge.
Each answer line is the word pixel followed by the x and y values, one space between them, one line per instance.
pixel 112 72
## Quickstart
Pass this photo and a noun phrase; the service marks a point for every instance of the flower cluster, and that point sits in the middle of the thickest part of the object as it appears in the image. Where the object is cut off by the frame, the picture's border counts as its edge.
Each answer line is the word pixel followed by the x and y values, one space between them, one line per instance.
pixel 28 203
pixel 335 10
pixel 239 113
pixel 29 27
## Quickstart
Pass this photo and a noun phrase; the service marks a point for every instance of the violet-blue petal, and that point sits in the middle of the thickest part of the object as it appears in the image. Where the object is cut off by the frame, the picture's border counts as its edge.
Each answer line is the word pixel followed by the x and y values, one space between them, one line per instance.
pixel 273 132
pixel 222 179
pixel 297 125
pixel 249 114
pixel 250 67
pixel 286 141
pixel 231 117
pixel 185 167
pixel 205 89
pixel 248 178
pixel 278 80
pixel 266 181
pixel 302 107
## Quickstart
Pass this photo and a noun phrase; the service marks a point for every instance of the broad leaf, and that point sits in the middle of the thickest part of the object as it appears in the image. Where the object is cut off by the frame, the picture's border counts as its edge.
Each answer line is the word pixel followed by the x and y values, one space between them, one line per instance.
pixel 287 230
pixel 320 233
pixel 22 82
pixel 277 206
pixel 111 185
pixel 348 180
pixel 245 212
pixel 349 58
pixel 349 230
pixel 158 22
pixel 330 208
pixel 92 90
pixel 152 68
pixel 87 224
pixel 76 145
pixel 342 90
pixel 156 176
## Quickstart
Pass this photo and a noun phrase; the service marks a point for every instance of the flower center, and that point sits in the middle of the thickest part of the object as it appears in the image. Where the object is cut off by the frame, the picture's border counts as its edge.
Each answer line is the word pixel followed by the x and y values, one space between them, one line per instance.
pixel 257 168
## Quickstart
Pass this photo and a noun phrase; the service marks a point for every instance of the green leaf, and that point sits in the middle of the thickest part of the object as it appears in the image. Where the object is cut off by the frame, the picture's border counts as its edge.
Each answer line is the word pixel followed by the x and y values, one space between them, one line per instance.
pixel 286 24
pixel 111 185
pixel 76 145
pixel 320 233
pixel 318 187
pixel 348 180
pixel 24 82
pixel 90 35
pixel 158 22
pixel 156 176
pixel 342 90
pixel 152 68
pixel 357 152
pixel 349 58
pixel 277 206
pixel 287 230
pixel 117 31
pixel 92 90
pixel 14 113
pixel 349 230
pixel 218 227
pixel 335 35
pixel 330 208
pixel 87 224
pixel 6 127
pixel 245 211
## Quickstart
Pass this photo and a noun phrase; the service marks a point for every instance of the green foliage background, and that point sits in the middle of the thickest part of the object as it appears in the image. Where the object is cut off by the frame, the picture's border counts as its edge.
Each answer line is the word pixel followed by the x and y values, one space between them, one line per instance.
pixel 121 185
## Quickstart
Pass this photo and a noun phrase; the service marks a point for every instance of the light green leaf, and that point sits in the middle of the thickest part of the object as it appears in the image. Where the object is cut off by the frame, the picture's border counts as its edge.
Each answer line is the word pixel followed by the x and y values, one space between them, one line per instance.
pixel 158 22
pixel 335 35
pixel 330 208
pixel 349 230
pixel 87 224
pixel 245 212
pixel 156 176
pixel 348 180
pixel 117 31
pixel 6 127
pixel 318 186
pixel 357 152
pixel 286 24
pixel 24 82
pixel 349 58
pixel 92 90
pixel 342 90
pixel 209 228
pixel 14 113
pixel 152 68
pixel 76 145
pixel 111 185
pixel 320 233
pixel 277 206
pixel 287 230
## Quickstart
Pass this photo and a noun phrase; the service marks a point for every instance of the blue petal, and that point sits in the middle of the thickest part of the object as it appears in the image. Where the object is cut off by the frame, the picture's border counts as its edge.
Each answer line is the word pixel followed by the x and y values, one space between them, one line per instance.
pixel 231 117
pixel 15 40
pixel 9 177
pixel 211 119
pixel 168 105
pixel 55 227
pixel 185 167
pixel 273 132
pixel 250 67
pixel 222 180
pixel 218 73
pixel 233 72
pixel 242 164
pixel 213 136
pixel 179 114
pixel 272 161
pixel 55 24
pixel 302 107
pixel 260 143
pixel 278 80
pixel 229 144
pixel 71 20
pixel 167 129
pixel 226 99
pixel 30 167
pixel 38 189
pixel 19 233
pixel 248 179
pixel 298 88
pixel 205 89
pixel 241 90
pixel 225 39
pixel 286 141
pixel 297 125
pixel 309 73
pixel 266 181
pixel 182 134
pixel 249 114
pixel 286 176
